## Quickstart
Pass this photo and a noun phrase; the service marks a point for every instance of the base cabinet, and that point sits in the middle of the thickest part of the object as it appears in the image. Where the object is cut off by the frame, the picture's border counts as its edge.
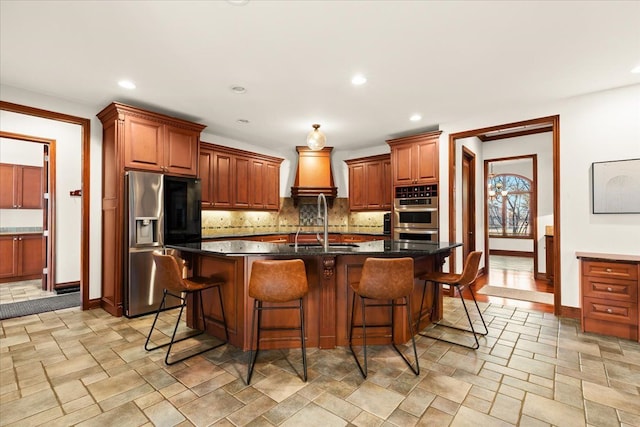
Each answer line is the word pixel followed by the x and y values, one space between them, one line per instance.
pixel 610 296
pixel 22 257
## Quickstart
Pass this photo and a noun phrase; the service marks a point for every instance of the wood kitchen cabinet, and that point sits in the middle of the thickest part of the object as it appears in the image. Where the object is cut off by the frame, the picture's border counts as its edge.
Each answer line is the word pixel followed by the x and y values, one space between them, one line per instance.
pixel 20 186
pixel 237 179
pixel 154 145
pixel 136 139
pixel 22 257
pixel 415 159
pixel 609 285
pixel 370 183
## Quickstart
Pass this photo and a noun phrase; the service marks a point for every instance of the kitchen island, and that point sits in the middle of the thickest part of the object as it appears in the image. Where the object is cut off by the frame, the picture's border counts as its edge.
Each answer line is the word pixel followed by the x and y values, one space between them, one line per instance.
pixel 328 303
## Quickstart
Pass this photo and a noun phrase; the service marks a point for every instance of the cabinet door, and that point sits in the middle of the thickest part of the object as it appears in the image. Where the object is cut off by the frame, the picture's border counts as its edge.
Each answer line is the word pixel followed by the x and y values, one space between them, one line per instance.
pixel 143 144
pixel 272 186
pixel 373 176
pixel 402 165
pixel 180 151
pixel 426 161
pixel 30 191
pixel 223 181
pixel 9 256
pixel 205 173
pixel 8 187
pixel 241 183
pixel 357 187
pixel 257 183
pixel 30 260
pixel 387 185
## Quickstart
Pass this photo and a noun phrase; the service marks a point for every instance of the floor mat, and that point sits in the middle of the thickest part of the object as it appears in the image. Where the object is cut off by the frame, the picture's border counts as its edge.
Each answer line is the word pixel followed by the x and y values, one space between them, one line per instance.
pixel 520 294
pixel 41 305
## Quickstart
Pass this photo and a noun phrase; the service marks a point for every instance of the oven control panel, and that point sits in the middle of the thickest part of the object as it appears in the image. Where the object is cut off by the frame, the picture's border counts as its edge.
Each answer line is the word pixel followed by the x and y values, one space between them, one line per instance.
pixel 417 191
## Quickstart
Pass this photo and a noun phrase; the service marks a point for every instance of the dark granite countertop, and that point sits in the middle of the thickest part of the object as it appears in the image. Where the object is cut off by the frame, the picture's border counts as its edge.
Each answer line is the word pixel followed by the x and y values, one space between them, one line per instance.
pixel 378 247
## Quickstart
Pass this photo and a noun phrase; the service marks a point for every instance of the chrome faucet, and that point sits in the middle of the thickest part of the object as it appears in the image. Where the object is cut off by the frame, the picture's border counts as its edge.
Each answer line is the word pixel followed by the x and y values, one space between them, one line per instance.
pixel 295 246
pixel 325 221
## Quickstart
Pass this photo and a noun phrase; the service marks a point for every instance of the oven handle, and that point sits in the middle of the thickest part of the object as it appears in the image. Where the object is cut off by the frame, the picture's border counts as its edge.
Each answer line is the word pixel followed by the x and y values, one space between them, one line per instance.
pixel 417 231
pixel 415 209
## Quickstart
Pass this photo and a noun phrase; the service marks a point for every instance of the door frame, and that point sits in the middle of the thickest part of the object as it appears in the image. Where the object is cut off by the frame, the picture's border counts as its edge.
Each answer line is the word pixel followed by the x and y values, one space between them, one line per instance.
pixel 468 242
pixel 50 215
pixel 85 130
pixel 554 122
pixel 533 208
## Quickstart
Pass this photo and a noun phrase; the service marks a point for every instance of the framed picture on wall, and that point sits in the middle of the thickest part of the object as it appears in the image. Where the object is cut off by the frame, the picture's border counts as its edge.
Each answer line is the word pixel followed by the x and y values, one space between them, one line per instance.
pixel 616 187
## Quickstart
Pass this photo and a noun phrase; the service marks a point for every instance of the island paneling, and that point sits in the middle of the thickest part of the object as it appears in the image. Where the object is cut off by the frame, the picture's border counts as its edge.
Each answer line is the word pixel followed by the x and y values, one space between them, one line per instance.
pixel 328 303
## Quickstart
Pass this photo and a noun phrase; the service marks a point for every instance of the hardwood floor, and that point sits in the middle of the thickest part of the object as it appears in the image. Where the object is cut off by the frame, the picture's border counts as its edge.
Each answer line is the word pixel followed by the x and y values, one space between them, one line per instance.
pixel 512 272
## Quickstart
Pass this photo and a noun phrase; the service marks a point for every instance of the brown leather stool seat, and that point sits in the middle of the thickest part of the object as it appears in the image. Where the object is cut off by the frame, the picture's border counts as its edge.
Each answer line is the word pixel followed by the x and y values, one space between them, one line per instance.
pixel 277 281
pixel 459 282
pixel 169 276
pixel 383 279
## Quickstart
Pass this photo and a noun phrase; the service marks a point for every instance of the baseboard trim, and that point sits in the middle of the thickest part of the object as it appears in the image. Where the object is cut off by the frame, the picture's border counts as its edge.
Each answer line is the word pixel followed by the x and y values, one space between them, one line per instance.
pixel 93 303
pixel 511 253
pixel 570 312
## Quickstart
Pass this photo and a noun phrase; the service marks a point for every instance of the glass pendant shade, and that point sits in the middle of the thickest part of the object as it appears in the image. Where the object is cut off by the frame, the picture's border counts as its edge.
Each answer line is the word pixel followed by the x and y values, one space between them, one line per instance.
pixel 316 139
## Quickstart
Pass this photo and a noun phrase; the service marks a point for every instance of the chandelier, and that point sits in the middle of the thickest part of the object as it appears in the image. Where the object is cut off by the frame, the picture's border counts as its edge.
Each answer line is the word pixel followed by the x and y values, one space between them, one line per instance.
pixel 494 185
pixel 316 139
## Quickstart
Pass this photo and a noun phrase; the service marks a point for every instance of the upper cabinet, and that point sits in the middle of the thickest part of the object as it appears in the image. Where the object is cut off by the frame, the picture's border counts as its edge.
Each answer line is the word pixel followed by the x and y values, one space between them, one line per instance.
pixel 154 142
pixel 370 183
pixel 415 159
pixel 237 179
pixel 20 186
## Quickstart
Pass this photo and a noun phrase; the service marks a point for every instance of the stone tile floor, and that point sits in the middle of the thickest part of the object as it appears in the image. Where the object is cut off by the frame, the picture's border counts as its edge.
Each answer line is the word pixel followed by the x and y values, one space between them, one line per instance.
pixel 90 369
pixel 25 290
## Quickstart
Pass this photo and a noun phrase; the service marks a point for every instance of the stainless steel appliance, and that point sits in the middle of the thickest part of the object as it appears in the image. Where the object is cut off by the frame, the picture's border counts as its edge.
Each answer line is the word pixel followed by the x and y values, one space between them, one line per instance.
pixel 415 213
pixel 160 209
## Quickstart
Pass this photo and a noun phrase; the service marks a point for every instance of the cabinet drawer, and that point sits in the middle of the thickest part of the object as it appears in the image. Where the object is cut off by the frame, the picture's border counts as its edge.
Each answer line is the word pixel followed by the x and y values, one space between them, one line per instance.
pixel 610 289
pixel 611 311
pixel 614 270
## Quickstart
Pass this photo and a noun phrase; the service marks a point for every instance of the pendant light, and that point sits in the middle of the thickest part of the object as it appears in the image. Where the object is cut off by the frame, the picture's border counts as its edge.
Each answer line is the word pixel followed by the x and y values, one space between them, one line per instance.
pixel 316 139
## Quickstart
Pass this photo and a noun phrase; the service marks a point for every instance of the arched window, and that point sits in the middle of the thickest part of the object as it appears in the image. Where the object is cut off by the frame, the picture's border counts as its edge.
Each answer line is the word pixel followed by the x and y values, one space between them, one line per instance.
pixel 509 206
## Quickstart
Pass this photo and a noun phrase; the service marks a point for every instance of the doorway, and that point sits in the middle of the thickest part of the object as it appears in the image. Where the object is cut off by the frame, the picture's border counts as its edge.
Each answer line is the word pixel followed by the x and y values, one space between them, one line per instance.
pixel 30 181
pixel 528 127
pixel 85 132
pixel 468 202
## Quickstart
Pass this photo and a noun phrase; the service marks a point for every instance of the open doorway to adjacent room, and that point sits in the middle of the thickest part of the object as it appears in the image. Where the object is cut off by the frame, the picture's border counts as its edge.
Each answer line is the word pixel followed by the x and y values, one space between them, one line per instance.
pixel 512 225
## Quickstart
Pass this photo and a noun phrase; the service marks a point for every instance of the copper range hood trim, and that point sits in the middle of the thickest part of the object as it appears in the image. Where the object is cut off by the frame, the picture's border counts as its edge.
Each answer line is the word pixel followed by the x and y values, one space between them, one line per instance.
pixel 314 175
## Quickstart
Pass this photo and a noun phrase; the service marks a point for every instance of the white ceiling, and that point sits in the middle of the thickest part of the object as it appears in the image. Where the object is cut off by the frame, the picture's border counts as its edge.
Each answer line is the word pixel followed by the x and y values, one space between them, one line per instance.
pixel 446 60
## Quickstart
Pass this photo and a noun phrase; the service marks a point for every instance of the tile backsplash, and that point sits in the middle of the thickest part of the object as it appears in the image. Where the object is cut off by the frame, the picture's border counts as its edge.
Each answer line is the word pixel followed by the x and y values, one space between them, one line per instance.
pixel 289 218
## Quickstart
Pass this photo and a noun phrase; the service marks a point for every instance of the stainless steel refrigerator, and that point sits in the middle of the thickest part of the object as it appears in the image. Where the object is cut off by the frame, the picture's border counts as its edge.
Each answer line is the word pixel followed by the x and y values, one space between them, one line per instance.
pixel 160 209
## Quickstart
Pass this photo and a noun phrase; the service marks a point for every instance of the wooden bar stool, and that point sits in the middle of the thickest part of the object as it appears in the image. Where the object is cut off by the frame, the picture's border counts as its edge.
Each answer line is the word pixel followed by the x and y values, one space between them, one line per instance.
pixel 169 276
pixel 459 282
pixel 383 279
pixel 277 281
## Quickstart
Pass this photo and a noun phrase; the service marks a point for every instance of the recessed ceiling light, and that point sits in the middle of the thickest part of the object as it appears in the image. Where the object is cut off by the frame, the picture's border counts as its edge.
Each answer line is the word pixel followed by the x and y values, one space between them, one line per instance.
pixel 238 89
pixel 127 84
pixel 415 118
pixel 636 69
pixel 243 121
pixel 358 79
pixel 238 2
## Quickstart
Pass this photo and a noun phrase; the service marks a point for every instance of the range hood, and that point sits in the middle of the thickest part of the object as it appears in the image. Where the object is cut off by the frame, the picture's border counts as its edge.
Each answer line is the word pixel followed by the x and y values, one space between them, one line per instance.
pixel 314 175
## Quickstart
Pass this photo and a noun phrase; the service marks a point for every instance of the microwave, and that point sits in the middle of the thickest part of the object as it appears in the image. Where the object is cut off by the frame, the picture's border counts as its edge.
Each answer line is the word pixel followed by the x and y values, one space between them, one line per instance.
pixel 418 213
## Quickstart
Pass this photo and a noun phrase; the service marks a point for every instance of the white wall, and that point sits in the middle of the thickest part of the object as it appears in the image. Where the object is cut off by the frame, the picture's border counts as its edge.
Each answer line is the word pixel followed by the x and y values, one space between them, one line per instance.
pixel 595 127
pixel 31 125
pixel 68 177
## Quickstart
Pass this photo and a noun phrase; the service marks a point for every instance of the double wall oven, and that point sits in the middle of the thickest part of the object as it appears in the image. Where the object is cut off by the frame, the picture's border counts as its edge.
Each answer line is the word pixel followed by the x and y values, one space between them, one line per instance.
pixel 415 213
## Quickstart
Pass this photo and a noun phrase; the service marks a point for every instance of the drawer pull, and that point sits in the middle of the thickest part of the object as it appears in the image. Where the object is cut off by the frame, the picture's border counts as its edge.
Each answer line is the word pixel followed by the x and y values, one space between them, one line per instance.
pixel 609 311
pixel 609 290
pixel 608 270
